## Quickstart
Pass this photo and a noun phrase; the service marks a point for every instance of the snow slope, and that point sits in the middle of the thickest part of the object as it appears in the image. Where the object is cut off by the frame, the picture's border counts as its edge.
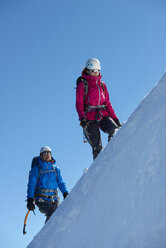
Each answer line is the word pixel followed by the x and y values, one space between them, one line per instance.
pixel 121 200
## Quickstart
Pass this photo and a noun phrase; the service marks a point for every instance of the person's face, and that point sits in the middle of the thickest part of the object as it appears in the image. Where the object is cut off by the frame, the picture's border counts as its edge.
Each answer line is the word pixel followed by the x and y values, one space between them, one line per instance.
pixel 93 72
pixel 46 156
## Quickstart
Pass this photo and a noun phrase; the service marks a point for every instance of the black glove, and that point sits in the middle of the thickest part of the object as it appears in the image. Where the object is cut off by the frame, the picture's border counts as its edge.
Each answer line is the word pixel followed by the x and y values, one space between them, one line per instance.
pixel 65 194
pixel 117 122
pixel 83 123
pixel 30 204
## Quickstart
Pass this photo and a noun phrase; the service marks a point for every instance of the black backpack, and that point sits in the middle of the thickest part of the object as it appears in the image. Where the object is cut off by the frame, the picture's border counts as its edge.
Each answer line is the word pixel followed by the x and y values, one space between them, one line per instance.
pixel 85 82
pixel 35 162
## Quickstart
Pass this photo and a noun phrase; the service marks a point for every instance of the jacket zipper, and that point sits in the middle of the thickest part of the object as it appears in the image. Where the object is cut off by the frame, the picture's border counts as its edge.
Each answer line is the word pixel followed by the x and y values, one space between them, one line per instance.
pixel 98 90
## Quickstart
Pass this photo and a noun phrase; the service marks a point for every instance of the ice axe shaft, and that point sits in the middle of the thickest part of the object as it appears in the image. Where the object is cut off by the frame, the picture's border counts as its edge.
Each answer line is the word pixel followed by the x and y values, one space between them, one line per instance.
pixel 25 220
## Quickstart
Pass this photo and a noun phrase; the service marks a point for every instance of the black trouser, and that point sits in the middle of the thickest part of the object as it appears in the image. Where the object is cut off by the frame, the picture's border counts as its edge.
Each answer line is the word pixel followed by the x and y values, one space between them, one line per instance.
pixel 92 133
pixel 47 207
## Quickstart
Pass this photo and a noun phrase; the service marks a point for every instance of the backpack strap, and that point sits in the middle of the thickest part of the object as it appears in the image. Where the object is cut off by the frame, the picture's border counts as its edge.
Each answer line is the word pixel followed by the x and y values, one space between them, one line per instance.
pixel 103 88
pixel 85 83
pixel 35 162
pixel 43 172
pixel 43 192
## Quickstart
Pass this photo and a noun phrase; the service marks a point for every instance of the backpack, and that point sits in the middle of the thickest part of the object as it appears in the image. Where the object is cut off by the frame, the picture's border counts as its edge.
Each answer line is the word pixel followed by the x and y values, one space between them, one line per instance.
pixel 35 162
pixel 85 83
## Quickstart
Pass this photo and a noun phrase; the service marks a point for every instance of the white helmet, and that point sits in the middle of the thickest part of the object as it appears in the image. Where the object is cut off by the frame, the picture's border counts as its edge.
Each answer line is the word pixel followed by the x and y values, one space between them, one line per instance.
pixel 93 64
pixel 45 149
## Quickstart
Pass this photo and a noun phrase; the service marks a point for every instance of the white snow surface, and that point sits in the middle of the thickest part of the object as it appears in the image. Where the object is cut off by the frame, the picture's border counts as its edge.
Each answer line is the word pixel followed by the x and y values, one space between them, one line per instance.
pixel 121 199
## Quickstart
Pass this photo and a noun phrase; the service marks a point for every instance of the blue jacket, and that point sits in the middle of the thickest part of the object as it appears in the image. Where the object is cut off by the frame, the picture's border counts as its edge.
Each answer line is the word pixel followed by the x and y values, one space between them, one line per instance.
pixel 45 177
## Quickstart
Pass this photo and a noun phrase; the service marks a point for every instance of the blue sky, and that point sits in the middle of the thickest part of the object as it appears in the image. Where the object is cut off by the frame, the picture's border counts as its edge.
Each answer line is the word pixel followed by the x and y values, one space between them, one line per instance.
pixel 44 46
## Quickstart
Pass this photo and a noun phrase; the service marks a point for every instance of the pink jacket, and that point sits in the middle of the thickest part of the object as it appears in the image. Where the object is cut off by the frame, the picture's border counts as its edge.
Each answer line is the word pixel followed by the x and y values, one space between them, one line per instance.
pixel 95 97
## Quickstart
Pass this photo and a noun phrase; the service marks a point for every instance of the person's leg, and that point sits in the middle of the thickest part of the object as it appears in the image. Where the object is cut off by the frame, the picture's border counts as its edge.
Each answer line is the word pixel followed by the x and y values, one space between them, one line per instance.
pixel 92 133
pixel 47 207
pixel 107 125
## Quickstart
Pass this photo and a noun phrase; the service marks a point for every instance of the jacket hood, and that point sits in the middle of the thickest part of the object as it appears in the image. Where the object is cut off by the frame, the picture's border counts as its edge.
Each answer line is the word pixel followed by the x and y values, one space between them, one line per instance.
pixel 45 163
pixel 90 78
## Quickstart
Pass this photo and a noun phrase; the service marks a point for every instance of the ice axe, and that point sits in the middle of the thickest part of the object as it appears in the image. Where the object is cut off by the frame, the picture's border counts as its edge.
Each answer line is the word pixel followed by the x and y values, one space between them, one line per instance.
pixel 25 220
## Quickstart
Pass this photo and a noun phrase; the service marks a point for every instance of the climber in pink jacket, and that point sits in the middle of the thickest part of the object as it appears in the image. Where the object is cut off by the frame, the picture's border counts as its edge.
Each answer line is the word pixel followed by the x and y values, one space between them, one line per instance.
pixel 94 107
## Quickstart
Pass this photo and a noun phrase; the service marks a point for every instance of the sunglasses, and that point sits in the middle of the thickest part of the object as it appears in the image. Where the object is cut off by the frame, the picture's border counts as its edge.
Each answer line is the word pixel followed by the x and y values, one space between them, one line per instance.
pixel 94 71
pixel 46 153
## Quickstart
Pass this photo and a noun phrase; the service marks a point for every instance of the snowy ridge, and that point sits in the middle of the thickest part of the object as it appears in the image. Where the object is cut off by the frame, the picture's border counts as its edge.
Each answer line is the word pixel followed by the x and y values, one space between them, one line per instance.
pixel 120 201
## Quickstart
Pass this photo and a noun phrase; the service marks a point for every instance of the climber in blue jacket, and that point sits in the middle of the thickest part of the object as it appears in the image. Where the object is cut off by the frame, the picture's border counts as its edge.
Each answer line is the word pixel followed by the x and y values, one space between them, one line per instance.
pixel 44 180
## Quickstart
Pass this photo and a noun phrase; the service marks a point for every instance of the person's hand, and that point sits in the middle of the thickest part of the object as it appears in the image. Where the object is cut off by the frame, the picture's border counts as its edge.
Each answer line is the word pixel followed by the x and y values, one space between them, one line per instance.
pixel 30 204
pixel 84 123
pixel 118 122
pixel 65 195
